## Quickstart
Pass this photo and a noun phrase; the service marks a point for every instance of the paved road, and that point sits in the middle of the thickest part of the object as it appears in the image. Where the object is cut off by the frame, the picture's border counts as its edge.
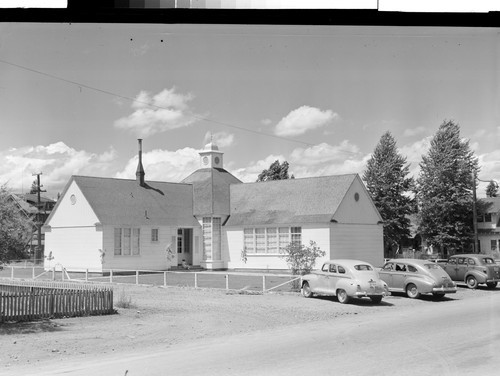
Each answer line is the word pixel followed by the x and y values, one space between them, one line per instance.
pixel 445 338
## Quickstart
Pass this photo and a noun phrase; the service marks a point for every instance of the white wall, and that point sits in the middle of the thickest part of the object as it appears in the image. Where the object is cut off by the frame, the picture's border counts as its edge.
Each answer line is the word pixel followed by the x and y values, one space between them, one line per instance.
pixel 357 241
pixel 73 238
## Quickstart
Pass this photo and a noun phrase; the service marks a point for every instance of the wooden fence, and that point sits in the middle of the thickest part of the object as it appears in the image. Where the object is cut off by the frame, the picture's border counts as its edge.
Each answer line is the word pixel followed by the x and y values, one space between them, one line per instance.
pixel 30 300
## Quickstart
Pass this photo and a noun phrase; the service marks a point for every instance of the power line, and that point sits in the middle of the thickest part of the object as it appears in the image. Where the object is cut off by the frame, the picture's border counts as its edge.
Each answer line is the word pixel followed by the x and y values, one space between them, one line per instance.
pixel 80 85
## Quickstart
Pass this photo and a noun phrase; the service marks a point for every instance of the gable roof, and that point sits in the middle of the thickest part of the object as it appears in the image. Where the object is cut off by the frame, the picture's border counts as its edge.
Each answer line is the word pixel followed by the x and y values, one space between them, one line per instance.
pixel 125 202
pixel 307 200
pixel 211 190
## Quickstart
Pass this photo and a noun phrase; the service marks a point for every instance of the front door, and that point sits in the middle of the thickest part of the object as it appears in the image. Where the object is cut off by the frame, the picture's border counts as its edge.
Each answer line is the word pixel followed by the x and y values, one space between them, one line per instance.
pixel 185 245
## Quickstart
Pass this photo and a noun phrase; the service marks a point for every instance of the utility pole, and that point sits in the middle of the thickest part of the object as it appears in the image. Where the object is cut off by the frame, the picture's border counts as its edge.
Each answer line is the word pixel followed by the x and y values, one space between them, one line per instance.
pixel 474 212
pixel 38 250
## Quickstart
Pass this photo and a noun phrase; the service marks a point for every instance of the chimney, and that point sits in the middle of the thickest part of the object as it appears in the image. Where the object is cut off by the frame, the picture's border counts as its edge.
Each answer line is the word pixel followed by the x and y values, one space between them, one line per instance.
pixel 139 174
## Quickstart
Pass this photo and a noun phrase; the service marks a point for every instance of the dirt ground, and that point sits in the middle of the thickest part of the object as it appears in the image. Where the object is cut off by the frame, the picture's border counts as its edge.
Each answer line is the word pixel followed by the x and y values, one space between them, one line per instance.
pixel 161 317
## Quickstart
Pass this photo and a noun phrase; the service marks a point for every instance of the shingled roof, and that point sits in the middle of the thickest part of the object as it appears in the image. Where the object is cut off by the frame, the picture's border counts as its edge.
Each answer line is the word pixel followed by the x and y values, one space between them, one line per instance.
pixel 307 200
pixel 211 190
pixel 125 202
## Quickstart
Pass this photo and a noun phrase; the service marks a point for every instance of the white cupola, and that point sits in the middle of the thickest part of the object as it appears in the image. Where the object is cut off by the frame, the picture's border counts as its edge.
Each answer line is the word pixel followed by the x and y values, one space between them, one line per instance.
pixel 211 157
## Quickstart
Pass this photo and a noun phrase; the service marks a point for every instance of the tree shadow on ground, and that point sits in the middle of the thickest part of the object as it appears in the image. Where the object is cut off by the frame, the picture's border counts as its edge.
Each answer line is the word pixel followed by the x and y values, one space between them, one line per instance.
pixel 29 327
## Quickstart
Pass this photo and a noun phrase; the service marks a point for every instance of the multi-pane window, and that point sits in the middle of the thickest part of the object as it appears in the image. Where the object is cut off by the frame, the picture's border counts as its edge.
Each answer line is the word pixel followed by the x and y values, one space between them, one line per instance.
pixel 269 240
pixel 207 238
pixel 127 241
pixel 154 235
pixel 487 217
pixel 212 230
pixel 493 244
pixel 180 241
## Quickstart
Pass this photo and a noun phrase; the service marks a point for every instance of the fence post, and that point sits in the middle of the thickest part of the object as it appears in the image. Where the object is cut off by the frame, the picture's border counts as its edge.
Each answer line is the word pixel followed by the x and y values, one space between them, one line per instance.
pixel 110 275
pixel 227 281
pixel 165 279
pixel 54 273
pixel 86 275
pixel 195 280
pixel 11 272
pixel 137 277
pixel 33 272
pixel 263 283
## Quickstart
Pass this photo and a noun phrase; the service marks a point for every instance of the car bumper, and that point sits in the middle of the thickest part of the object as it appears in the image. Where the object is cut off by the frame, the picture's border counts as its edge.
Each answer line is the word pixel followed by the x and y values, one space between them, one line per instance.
pixel 361 294
pixel 444 290
pixel 493 280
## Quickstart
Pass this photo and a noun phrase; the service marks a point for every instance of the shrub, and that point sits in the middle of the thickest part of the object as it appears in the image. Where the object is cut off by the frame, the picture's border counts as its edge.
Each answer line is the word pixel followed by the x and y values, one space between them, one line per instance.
pixel 125 301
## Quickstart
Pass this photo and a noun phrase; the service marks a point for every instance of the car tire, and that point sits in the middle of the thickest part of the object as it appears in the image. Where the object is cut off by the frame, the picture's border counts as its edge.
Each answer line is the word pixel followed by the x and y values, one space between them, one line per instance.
pixel 376 299
pixel 471 282
pixel 342 296
pixel 306 290
pixel 491 285
pixel 412 291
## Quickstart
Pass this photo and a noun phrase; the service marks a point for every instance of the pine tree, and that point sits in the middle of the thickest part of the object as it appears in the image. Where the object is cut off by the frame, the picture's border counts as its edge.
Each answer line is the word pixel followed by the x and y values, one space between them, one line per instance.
pixel 444 190
pixel 276 171
pixel 390 189
pixel 492 189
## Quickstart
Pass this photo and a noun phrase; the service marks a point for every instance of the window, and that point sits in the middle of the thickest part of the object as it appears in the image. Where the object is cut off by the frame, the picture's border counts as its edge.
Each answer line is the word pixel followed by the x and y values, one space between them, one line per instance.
pixel 154 235
pixel 412 269
pixel 269 240
pixel 493 244
pixel 207 238
pixel 388 266
pixel 461 261
pixel 341 269
pixel 471 261
pixel 333 269
pixel 363 267
pixel 127 241
pixel 180 241
pixel 487 217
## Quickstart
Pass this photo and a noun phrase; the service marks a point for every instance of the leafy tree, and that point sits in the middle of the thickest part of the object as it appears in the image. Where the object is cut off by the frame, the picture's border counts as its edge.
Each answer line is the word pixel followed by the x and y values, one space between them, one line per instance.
pixel 34 187
pixel 301 258
pixel 276 171
pixel 389 187
pixel 444 193
pixel 492 189
pixel 15 228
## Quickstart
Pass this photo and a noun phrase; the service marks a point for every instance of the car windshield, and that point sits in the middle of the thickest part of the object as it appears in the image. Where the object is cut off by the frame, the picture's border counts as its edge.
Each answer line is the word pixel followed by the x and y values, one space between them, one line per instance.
pixel 363 267
pixel 432 266
pixel 488 260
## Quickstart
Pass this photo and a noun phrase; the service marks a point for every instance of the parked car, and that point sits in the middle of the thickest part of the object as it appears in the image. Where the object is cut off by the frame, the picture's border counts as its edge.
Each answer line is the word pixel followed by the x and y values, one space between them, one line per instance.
pixel 415 277
pixel 473 269
pixel 345 279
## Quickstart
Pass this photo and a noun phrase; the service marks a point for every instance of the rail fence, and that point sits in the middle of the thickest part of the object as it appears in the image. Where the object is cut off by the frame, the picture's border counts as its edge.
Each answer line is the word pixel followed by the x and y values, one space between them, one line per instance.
pixel 196 278
pixel 34 300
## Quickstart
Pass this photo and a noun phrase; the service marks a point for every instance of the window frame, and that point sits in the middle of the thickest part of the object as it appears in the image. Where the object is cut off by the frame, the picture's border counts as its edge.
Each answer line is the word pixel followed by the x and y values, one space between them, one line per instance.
pixel 129 239
pixel 270 240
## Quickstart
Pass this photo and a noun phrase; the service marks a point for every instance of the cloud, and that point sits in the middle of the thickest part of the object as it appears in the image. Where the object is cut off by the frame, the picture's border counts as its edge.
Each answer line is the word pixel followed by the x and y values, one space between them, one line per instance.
pixel 490 170
pixel 164 165
pixel 266 121
pixel 221 139
pixel 317 160
pixel 414 152
pixel 159 113
pixel 303 119
pixel 57 162
pixel 414 131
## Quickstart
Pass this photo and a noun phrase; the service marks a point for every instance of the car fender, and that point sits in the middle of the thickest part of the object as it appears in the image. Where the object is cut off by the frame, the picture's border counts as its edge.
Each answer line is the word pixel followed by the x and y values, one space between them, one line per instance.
pixel 347 284
pixel 422 283
pixel 481 277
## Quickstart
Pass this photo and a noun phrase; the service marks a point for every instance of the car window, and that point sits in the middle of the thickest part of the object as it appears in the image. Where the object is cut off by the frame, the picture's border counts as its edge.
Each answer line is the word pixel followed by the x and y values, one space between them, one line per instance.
pixel 363 267
pixel 488 260
pixel 412 269
pixel 333 269
pixel 432 266
pixel 388 266
pixel 401 267
pixel 461 260
pixel 471 261
pixel 341 269
pixel 324 268
pixel 452 261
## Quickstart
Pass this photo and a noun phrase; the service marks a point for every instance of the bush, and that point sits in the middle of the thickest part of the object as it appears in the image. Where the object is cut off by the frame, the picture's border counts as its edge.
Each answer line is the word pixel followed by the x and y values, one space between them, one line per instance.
pixel 301 258
pixel 125 301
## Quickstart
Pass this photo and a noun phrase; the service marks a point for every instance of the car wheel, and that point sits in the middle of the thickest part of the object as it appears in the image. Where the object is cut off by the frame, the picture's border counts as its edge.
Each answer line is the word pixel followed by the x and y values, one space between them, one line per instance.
pixel 412 291
pixel 491 285
pixel 376 299
pixel 438 295
pixel 342 296
pixel 471 282
pixel 306 290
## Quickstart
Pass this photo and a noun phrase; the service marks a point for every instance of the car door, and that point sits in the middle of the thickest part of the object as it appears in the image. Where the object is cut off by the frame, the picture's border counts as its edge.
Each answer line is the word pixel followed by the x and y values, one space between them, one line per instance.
pixel 399 276
pixel 386 273
pixel 451 268
pixel 333 278
pixel 323 279
pixel 461 268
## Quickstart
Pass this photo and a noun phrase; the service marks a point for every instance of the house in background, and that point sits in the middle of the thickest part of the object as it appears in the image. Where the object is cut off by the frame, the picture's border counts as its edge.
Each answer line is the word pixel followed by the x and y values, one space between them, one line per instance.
pixel 488 225
pixel 208 219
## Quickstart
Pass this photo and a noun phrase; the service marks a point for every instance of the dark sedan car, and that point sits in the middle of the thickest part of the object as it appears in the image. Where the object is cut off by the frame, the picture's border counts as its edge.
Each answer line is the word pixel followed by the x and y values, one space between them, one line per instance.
pixel 473 269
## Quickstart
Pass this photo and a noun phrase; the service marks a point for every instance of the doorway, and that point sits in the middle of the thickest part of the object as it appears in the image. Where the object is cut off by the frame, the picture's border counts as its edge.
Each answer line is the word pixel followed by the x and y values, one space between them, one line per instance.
pixel 185 245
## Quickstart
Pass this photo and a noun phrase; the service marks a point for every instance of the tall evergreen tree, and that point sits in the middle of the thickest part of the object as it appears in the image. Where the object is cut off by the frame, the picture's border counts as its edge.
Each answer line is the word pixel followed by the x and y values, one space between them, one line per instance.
pixel 390 188
pixel 444 190
pixel 276 171
pixel 492 189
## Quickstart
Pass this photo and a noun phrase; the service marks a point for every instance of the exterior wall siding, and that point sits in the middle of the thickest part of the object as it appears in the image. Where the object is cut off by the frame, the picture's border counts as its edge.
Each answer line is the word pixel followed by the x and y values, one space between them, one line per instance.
pixel 74 248
pixel 234 239
pixel 357 241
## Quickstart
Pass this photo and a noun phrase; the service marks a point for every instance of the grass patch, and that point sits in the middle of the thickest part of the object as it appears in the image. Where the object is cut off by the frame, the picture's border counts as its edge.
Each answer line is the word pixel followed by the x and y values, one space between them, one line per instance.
pixel 125 301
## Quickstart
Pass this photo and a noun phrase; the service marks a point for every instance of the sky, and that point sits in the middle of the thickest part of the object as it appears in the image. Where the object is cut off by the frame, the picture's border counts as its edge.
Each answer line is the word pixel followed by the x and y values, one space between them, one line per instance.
pixel 74 98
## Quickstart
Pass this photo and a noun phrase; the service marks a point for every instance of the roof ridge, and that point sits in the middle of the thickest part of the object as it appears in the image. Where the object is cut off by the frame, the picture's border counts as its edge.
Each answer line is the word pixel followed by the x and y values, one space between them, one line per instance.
pixel 131 180
pixel 303 178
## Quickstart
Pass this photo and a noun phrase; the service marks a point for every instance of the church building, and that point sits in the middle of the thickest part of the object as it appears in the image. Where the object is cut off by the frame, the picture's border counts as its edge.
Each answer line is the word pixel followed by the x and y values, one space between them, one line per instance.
pixel 210 219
